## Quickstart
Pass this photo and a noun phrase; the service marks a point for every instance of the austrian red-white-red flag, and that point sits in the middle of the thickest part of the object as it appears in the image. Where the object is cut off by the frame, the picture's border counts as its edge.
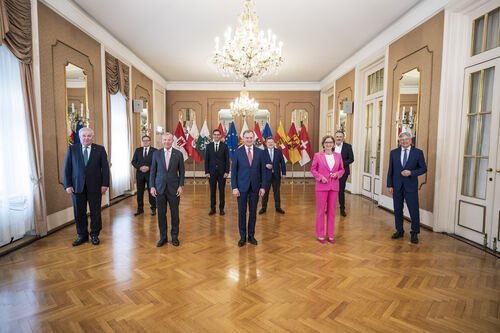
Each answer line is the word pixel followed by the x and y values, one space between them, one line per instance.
pixel 192 138
pixel 180 141
pixel 259 140
pixel 305 144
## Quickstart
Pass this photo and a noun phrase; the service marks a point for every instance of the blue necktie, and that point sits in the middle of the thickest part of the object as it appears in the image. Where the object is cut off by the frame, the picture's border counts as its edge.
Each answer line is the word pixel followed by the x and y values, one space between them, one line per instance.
pixel 405 158
pixel 86 155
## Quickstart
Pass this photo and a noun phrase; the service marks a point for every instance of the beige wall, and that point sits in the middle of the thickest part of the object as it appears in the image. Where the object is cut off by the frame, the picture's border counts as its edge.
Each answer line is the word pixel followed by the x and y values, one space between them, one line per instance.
pixel 421 48
pixel 280 104
pixel 60 43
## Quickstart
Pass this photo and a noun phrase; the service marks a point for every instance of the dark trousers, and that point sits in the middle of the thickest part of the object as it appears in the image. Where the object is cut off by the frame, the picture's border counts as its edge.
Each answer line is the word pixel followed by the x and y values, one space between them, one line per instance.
pixel 342 182
pixel 161 203
pixel 275 182
pixel 250 199
pixel 213 181
pixel 412 202
pixel 143 180
pixel 80 209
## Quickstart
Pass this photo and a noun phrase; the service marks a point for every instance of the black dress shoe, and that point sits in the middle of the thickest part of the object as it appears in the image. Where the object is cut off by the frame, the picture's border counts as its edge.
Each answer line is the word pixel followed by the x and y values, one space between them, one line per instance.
pixel 95 240
pixel 212 212
pixel 80 240
pixel 222 213
pixel 279 210
pixel 161 242
pixel 175 242
pixel 342 212
pixel 262 211
pixel 398 234
pixel 139 212
pixel 414 238
pixel 153 212
pixel 241 242
pixel 252 240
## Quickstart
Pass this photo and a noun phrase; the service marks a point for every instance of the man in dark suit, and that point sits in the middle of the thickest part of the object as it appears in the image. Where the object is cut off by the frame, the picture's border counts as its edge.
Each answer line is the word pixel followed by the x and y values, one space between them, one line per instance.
pixel 248 182
pixel 344 149
pixel 166 180
pixel 142 159
pixel 217 169
pixel 276 170
pixel 86 178
pixel 406 163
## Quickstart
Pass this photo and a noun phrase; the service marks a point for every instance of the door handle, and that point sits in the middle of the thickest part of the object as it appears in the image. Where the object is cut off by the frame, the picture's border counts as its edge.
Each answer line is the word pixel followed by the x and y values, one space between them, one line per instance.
pixel 498 170
pixel 490 169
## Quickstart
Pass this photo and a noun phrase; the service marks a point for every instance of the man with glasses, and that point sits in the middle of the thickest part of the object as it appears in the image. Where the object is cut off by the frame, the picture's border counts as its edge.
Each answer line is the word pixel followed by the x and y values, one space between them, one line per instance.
pixel 142 160
pixel 345 150
pixel 405 165
pixel 217 170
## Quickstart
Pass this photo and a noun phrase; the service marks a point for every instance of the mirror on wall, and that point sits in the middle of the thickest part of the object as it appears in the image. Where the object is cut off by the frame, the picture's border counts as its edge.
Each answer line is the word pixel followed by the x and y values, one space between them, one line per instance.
pixel 145 123
pixel 300 117
pixel 77 111
pixel 342 124
pixel 408 104
pixel 225 117
pixel 187 117
pixel 262 117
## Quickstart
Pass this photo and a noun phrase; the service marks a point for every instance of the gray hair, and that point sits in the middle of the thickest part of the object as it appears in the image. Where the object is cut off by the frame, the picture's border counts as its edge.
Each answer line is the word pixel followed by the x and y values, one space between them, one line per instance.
pixel 408 135
pixel 85 129
pixel 167 133
pixel 248 131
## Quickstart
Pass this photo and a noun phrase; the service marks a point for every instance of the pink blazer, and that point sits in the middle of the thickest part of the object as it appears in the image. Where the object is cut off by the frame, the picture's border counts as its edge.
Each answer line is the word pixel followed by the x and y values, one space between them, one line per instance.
pixel 319 169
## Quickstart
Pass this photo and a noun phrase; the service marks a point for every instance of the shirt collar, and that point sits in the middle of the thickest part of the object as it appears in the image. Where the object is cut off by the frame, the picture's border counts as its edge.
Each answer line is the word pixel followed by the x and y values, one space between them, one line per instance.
pixel 165 149
pixel 403 149
pixel 83 146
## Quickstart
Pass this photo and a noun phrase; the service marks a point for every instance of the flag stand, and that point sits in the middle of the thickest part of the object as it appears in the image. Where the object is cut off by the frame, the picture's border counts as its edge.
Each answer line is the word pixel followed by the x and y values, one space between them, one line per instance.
pixel 292 176
pixel 305 174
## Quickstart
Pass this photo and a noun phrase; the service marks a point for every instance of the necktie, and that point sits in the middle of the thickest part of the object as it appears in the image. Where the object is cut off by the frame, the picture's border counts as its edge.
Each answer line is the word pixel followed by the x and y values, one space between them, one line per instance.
pixel 250 156
pixel 167 159
pixel 405 157
pixel 271 154
pixel 86 155
pixel 145 152
pixel 216 147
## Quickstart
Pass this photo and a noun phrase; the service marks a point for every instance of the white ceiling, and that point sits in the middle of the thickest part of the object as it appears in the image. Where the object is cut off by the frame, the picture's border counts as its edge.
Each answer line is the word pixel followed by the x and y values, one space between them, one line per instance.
pixel 176 37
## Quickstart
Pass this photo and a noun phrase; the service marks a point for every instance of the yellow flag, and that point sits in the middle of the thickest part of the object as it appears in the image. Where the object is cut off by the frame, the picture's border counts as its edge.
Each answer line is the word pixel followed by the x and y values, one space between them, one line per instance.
pixel 282 142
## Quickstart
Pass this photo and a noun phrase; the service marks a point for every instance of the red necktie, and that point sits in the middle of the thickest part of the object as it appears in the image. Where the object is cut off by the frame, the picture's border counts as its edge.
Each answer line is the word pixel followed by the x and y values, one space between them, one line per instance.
pixel 250 156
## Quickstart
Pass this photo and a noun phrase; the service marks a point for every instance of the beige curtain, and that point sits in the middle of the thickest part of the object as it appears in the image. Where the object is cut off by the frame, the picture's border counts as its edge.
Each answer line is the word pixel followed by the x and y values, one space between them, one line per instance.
pixel 15 33
pixel 117 79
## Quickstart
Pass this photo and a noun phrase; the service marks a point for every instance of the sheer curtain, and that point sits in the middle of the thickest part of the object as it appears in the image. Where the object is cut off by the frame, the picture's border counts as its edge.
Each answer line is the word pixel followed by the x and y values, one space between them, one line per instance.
pixel 120 156
pixel 16 188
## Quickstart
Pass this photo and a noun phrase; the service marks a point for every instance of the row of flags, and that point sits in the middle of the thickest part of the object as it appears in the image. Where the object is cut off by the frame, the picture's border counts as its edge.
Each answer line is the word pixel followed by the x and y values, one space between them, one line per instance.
pixel 295 147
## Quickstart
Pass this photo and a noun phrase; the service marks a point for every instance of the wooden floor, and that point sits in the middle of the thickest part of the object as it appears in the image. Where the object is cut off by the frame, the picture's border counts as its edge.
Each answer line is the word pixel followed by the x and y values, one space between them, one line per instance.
pixel 365 282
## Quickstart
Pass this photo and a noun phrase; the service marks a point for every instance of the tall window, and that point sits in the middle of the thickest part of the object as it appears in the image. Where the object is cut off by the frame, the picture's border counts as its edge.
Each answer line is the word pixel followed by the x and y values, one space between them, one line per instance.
pixel 120 159
pixel 375 82
pixel 16 188
pixel 485 32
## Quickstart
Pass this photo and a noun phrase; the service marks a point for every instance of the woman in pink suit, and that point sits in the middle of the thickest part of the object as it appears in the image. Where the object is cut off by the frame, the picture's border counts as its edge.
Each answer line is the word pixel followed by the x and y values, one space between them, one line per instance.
pixel 327 168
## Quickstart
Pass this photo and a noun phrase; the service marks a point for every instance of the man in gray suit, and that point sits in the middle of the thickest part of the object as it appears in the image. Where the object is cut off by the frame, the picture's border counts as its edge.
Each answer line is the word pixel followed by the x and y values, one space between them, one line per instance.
pixel 166 180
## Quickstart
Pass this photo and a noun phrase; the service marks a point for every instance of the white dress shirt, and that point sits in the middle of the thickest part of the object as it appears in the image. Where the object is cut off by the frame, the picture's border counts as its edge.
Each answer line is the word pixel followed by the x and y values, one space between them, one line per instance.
pixel 403 154
pixel 88 150
pixel 145 151
pixel 338 149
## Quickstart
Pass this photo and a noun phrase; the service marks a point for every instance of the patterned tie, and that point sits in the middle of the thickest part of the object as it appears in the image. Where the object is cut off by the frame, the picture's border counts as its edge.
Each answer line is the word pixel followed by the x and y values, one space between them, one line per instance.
pixel 405 158
pixel 167 159
pixel 250 156
pixel 86 155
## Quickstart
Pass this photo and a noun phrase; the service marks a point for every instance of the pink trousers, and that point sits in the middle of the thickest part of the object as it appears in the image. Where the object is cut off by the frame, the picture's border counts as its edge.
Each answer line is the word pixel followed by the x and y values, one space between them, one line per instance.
pixel 328 200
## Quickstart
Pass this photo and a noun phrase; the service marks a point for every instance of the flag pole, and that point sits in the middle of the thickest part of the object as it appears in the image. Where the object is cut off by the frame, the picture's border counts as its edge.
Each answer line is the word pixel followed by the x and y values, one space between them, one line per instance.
pixel 194 172
pixel 292 175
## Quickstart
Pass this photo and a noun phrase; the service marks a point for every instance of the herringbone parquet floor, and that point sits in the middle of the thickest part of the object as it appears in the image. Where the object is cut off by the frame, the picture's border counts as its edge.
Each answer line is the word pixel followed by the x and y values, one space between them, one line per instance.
pixel 365 282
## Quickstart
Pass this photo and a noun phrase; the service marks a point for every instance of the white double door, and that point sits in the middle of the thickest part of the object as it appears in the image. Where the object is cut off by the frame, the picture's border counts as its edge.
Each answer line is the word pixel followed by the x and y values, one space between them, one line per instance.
pixel 478 200
pixel 371 177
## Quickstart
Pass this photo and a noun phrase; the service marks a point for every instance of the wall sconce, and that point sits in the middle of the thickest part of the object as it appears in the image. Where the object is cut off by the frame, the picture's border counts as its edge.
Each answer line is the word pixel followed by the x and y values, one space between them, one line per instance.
pixel 159 129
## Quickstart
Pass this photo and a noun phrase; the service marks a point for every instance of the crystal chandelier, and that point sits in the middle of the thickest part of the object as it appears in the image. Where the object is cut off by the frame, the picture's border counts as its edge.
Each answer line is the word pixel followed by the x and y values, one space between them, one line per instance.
pixel 244 105
pixel 249 54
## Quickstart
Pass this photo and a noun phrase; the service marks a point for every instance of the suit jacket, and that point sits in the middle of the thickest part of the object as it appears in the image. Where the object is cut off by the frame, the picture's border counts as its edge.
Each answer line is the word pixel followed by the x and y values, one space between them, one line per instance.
pixel 415 164
pixel 320 168
pixel 245 177
pixel 139 161
pixel 94 175
pixel 217 163
pixel 278 162
pixel 167 181
pixel 347 158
